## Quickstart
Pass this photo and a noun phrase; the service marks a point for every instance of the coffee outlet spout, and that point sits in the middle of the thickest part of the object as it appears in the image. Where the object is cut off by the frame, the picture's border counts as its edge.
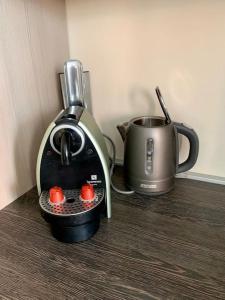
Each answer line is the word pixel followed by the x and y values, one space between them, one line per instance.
pixel 65 149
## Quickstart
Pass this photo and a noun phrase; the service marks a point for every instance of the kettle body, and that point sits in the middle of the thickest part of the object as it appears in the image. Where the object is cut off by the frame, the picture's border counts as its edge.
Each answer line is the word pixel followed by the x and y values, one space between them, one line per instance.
pixel 151 153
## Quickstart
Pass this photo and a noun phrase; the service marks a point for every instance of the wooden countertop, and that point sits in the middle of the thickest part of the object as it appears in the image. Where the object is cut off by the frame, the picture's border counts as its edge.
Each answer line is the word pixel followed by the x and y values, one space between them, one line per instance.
pixel 167 247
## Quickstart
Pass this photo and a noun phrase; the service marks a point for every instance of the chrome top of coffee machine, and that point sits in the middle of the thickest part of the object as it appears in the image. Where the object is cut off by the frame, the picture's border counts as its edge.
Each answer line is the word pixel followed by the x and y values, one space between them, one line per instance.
pixel 87 101
pixel 73 167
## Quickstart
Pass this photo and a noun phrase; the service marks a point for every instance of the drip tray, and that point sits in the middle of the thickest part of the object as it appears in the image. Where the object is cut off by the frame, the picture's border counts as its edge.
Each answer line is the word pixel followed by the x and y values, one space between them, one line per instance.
pixel 72 205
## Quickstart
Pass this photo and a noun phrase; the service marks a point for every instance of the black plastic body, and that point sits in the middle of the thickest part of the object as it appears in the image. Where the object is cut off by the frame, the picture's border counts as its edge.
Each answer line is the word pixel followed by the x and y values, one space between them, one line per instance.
pixel 77 228
pixel 65 149
pixel 82 168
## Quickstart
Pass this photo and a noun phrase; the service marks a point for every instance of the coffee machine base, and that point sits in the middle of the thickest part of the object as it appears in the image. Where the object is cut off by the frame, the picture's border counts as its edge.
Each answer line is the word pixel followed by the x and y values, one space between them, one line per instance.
pixel 75 234
pixel 74 220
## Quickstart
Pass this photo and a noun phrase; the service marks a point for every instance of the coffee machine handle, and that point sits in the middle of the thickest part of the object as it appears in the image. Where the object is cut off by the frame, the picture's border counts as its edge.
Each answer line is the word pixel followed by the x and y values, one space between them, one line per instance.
pixel 65 149
pixel 194 147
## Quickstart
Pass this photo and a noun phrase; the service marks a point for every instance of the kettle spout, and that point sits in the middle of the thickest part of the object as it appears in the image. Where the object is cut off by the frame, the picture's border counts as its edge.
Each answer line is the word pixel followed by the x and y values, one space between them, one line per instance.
pixel 122 128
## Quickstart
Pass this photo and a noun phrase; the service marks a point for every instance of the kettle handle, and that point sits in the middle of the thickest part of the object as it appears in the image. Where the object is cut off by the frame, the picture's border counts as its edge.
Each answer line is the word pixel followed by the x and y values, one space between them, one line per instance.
pixel 194 147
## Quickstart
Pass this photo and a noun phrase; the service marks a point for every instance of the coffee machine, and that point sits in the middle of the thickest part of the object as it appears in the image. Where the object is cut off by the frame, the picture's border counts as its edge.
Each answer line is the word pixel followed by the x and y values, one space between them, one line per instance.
pixel 73 167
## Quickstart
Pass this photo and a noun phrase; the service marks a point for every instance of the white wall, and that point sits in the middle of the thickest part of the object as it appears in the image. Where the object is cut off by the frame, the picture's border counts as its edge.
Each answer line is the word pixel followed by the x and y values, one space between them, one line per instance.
pixel 132 46
pixel 33 48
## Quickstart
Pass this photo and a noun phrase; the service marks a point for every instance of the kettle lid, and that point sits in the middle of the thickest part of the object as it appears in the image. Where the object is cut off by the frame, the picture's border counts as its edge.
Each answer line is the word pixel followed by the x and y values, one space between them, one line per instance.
pixel 162 104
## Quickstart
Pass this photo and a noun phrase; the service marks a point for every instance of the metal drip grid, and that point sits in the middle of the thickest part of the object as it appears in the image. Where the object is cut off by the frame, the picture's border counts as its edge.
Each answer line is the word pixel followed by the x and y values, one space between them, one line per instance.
pixel 72 205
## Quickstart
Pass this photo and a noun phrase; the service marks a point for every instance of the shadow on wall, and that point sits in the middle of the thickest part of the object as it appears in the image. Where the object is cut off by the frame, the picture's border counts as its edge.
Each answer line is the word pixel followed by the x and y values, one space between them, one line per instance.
pixel 143 103
pixel 141 99
pixel 30 133
pixel 25 161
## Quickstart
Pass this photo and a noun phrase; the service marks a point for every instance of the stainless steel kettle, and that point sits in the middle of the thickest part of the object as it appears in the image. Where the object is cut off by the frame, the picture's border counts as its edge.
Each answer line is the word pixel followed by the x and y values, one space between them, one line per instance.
pixel 151 153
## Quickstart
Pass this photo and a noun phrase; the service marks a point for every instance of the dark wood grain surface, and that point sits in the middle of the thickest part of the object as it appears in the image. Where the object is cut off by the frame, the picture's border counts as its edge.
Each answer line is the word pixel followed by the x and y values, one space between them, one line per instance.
pixel 167 247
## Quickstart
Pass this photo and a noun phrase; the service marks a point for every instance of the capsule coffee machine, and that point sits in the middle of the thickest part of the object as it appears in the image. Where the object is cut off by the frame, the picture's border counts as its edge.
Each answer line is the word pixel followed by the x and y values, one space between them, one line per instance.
pixel 73 167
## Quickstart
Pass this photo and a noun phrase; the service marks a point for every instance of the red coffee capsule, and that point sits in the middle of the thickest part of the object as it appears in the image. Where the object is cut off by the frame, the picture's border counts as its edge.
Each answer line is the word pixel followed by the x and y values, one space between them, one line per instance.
pixel 56 195
pixel 87 192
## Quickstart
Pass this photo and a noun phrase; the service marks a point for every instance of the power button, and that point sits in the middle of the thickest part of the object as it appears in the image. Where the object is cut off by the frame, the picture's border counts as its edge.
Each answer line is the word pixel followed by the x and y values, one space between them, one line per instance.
pixel 149 155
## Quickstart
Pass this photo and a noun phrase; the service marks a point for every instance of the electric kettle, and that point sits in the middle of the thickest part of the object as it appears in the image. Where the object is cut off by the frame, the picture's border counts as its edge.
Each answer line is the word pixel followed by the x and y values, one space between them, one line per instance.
pixel 151 152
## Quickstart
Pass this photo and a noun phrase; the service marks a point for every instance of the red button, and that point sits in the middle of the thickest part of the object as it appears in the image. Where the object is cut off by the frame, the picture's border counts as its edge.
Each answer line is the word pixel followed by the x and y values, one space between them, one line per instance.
pixel 87 192
pixel 56 195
